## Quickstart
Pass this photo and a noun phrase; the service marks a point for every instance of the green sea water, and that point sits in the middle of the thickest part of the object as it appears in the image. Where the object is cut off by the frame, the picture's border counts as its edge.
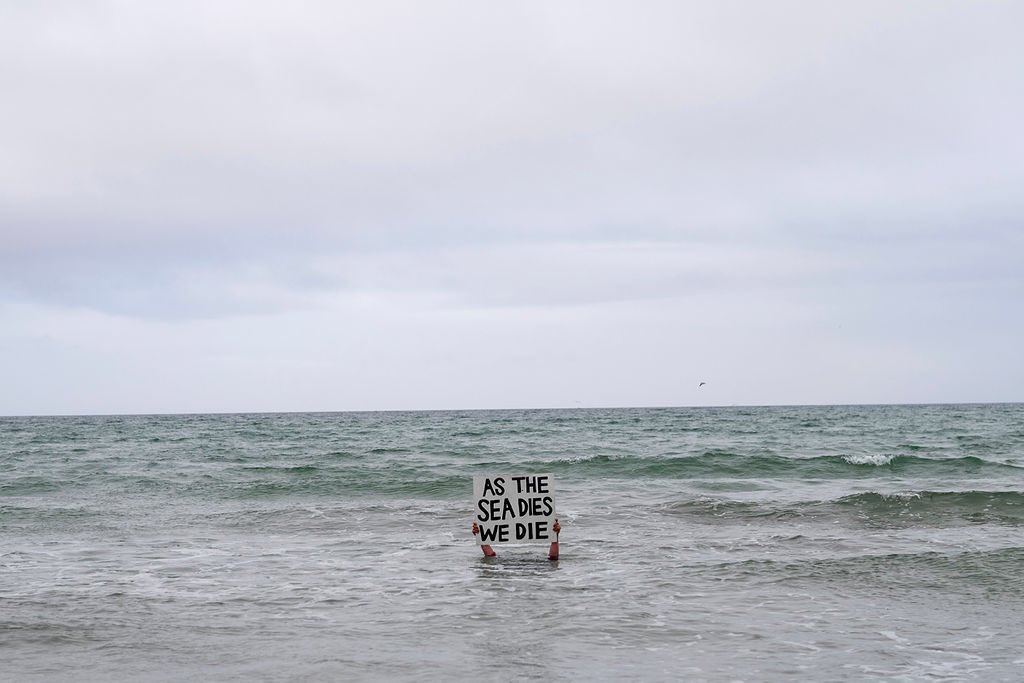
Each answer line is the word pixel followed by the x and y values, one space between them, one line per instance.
pixel 818 543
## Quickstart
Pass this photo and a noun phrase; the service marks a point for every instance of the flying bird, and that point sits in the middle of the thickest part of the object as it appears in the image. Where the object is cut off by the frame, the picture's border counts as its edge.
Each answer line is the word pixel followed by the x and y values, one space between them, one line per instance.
pixel 701 384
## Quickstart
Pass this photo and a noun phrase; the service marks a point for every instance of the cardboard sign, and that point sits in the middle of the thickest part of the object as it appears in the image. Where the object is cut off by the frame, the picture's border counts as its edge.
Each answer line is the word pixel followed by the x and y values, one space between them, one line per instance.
pixel 514 508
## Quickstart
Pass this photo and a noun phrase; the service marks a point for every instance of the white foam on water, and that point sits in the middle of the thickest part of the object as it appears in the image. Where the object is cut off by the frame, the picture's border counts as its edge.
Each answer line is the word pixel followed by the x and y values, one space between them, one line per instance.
pixel 891 635
pixel 876 459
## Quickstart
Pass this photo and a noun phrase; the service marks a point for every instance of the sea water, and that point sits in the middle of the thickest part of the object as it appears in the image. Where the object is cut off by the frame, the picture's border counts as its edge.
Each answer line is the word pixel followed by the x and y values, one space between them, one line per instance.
pixel 820 543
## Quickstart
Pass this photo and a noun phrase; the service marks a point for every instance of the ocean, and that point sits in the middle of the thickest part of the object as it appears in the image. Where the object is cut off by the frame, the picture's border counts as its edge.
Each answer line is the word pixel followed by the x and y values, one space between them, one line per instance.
pixel 717 544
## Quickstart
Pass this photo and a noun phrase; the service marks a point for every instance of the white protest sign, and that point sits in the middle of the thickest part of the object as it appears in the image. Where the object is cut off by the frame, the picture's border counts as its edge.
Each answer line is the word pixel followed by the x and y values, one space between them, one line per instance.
pixel 514 508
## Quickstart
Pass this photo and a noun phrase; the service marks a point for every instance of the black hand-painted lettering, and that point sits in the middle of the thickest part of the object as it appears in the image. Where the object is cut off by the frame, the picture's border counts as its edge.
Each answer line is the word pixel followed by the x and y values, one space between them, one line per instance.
pixel 494 487
pixel 524 507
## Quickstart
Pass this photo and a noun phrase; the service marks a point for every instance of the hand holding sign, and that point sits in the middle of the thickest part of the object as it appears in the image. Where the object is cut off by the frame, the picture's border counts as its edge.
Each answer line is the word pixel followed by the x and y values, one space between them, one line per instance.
pixel 488 550
pixel 517 508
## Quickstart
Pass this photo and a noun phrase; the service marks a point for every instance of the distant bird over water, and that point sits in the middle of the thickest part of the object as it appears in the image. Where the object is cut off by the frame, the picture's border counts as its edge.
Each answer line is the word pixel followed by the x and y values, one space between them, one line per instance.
pixel 701 384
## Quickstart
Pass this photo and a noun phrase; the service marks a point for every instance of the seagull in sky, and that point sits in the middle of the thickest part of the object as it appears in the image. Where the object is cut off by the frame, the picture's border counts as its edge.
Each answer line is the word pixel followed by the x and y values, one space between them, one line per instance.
pixel 701 384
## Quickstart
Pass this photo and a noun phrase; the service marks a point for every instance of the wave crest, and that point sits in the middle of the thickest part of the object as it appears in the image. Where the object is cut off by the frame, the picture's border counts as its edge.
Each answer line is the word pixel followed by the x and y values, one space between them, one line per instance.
pixel 877 459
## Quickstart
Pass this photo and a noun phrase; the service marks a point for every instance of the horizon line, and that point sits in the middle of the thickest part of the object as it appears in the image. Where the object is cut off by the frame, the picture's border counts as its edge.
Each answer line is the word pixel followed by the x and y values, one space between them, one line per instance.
pixel 512 409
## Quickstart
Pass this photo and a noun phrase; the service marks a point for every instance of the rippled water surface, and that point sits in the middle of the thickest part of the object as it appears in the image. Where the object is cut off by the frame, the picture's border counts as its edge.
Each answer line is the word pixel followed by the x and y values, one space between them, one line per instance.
pixel 698 544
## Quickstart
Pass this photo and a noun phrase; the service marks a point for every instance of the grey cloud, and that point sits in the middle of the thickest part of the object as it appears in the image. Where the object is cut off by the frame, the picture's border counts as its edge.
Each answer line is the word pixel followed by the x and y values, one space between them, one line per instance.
pixel 375 124
pixel 736 179
pixel 543 274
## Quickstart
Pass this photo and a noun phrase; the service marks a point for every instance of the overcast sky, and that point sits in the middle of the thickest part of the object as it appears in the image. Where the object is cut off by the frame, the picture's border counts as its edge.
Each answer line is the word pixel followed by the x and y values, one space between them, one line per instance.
pixel 255 206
